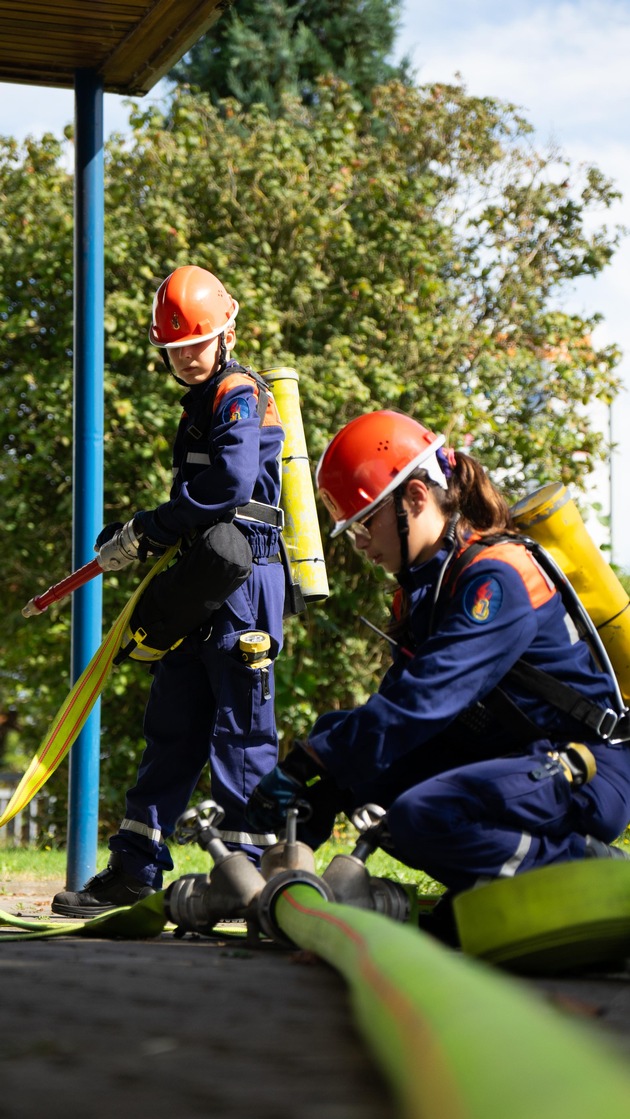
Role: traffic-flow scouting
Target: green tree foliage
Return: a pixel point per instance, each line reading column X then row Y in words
column 261, row 50
column 411, row 257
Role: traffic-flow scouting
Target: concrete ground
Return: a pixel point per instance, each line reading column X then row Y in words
column 202, row 1027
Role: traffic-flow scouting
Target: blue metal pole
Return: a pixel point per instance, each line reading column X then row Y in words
column 88, row 457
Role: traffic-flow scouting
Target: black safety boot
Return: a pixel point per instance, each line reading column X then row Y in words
column 440, row 921
column 107, row 890
column 597, row 849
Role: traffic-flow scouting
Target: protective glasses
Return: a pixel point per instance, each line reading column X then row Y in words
column 359, row 531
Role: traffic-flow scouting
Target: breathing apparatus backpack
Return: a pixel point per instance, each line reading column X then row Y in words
column 184, row 596
column 301, row 537
column 553, row 520
column 606, row 723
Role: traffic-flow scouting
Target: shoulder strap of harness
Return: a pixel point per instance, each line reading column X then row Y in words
column 605, row 723
column 255, row 511
column 199, row 430
column 264, row 394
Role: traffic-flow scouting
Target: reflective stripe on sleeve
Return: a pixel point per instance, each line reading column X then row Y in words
column 197, row 458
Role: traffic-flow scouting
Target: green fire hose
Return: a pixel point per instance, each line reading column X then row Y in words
column 455, row 1039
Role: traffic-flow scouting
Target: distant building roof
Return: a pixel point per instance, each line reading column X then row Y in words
column 130, row 43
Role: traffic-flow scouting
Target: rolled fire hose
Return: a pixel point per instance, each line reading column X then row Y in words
column 77, row 706
column 556, row 918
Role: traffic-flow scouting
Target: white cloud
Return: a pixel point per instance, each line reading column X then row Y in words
column 28, row 110
column 564, row 63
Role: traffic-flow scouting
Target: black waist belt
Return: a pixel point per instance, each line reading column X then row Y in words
column 264, row 514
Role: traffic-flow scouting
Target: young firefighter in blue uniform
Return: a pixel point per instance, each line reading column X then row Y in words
column 205, row 704
column 464, row 744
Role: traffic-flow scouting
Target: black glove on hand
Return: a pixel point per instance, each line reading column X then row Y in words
column 119, row 547
column 278, row 791
column 155, row 538
column 106, row 534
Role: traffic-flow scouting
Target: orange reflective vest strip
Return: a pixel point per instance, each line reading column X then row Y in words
column 539, row 587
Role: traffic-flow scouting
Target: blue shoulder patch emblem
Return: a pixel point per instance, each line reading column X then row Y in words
column 482, row 599
column 237, row 409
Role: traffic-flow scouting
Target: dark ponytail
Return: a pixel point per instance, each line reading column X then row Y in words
column 481, row 506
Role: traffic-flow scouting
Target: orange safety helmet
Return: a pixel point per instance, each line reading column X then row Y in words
column 191, row 305
column 369, row 458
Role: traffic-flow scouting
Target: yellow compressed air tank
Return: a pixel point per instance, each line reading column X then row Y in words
column 301, row 526
column 551, row 518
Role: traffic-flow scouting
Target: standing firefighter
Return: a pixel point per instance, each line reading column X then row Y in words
column 205, row 704
column 491, row 739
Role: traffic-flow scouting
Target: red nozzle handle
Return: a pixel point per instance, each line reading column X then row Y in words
column 61, row 590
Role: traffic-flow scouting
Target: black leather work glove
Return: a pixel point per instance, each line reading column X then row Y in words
column 106, row 534
column 155, row 539
column 279, row 790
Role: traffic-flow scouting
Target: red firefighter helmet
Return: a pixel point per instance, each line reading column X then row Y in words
column 369, row 458
column 191, row 305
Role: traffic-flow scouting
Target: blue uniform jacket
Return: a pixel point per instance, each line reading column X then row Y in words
column 236, row 460
column 501, row 608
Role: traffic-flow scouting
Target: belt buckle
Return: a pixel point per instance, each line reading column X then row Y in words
column 607, row 723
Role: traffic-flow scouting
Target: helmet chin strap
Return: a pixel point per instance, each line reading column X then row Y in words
column 167, row 361
column 223, row 354
column 402, row 524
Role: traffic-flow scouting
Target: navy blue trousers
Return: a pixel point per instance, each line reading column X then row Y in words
column 472, row 821
column 499, row 817
column 206, row 707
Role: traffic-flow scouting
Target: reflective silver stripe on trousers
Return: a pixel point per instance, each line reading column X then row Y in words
column 154, row 834
column 247, row 837
column 509, row 869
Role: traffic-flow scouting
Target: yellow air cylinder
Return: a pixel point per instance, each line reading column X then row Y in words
column 551, row 518
column 301, row 526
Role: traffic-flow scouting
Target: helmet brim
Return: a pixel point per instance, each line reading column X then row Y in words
column 420, row 460
column 195, row 338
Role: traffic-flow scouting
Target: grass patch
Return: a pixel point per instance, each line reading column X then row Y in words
column 30, row 864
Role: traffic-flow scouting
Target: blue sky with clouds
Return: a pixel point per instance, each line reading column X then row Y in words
column 565, row 63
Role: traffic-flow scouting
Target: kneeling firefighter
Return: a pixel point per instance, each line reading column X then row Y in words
column 496, row 740
column 211, row 625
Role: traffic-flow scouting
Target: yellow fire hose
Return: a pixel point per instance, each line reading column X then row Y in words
column 131, row 922
column 77, row 706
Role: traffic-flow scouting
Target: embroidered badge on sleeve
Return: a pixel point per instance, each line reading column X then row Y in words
column 237, row 409
column 482, row 599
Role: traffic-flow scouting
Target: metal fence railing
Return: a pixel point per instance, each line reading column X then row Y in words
column 24, row 828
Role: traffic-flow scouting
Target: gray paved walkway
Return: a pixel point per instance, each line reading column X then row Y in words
column 203, row 1029
column 194, row 1028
